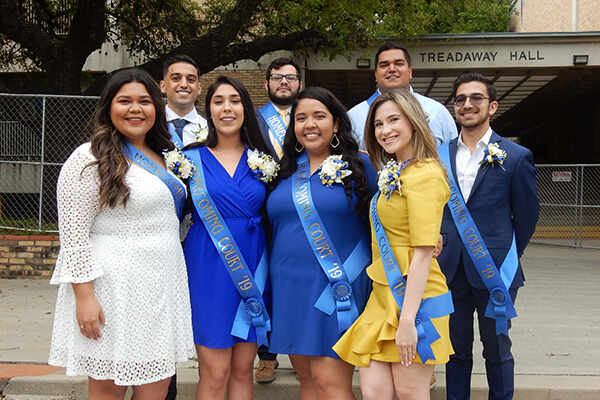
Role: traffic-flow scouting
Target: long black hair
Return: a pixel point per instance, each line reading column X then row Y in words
column 355, row 183
column 250, row 133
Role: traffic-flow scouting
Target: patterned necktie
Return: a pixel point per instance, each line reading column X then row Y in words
column 179, row 123
column 283, row 114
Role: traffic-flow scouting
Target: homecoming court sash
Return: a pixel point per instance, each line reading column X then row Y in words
column 177, row 188
column 276, row 124
column 432, row 307
column 337, row 296
column 251, row 310
column 500, row 305
column 371, row 99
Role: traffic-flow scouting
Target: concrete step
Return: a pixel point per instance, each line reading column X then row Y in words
column 286, row 387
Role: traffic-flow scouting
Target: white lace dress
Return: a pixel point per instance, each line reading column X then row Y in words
column 135, row 259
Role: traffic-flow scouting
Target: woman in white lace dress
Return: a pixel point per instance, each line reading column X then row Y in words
column 123, row 312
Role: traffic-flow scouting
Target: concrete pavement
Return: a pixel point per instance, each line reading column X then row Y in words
column 556, row 337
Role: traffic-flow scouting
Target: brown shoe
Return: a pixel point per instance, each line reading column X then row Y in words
column 265, row 371
column 432, row 382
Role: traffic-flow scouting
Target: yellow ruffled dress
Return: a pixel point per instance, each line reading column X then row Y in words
column 410, row 219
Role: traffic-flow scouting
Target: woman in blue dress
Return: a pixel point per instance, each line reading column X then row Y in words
column 319, row 249
column 224, row 334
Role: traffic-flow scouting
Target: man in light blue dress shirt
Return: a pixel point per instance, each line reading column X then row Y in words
column 393, row 71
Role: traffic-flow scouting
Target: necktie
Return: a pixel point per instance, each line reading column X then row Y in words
column 283, row 114
column 179, row 123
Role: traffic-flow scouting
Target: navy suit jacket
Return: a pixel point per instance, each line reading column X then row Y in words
column 500, row 201
column 264, row 130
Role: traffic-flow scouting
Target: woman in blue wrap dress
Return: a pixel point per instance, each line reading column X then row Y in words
column 225, row 360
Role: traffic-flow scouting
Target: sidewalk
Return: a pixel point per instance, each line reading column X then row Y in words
column 556, row 337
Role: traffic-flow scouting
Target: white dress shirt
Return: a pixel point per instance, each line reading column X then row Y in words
column 194, row 122
column 467, row 164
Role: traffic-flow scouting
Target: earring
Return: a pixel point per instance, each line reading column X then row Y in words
column 299, row 150
column 335, row 139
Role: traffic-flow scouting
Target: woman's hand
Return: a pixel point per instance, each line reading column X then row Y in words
column 88, row 311
column 406, row 341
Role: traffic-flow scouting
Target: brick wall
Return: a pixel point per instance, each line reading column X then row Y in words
column 253, row 80
column 28, row 256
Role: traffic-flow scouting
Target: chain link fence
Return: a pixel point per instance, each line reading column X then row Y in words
column 570, row 205
column 37, row 134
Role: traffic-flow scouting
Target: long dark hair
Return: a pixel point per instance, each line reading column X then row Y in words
column 348, row 148
column 250, row 133
column 107, row 142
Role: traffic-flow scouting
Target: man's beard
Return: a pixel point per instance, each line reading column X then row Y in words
column 282, row 101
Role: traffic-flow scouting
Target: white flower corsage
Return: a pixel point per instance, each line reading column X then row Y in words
column 264, row 166
column 333, row 170
column 201, row 134
column 389, row 177
column 179, row 163
column 493, row 154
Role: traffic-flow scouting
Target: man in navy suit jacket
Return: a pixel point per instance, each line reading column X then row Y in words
column 501, row 196
column 283, row 83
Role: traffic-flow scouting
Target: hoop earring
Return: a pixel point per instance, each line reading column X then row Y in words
column 299, row 150
column 337, row 140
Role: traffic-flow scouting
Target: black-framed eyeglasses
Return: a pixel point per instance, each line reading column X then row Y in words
column 476, row 99
column 279, row 77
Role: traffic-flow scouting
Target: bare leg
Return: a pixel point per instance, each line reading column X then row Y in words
column 301, row 365
column 241, row 384
column 332, row 378
column 105, row 390
column 151, row 391
column 412, row 382
column 376, row 381
column 215, row 369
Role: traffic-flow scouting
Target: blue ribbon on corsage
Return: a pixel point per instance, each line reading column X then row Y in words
column 176, row 187
column 431, row 307
column 337, row 295
column 251, row 310
column 500, row 305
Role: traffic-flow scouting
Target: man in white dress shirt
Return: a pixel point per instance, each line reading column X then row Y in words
column 182, row 86
column 393, row 71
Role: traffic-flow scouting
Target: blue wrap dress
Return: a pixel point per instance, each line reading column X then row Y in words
column 213, row 295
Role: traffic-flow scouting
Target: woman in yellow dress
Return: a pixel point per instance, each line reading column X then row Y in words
column 397, row 350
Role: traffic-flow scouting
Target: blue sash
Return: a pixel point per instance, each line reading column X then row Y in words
column 432, row 307
column 337, row 295
column 174, row 136
column 274, row 121
column 177, row 188
column 371, row 99
column 251, row 310
column 500, row 306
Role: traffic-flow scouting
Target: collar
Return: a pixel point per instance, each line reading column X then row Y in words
column 289, row 109
column 484, row 141
column 192, row 116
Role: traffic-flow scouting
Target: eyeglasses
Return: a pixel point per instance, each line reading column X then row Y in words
column 476, row 99
column 279, row 77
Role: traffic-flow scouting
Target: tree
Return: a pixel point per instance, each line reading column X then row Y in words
column 57, row 36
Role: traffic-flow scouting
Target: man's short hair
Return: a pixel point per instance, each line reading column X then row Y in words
column 475, row 77
column 392, row 46
column 282, row 62
column 178, row 58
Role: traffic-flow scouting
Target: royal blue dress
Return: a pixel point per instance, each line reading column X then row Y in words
column 213, row 295
column 297, row 279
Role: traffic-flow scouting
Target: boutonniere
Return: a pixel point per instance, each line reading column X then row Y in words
column 389, row 177
column 493, row 154
column 179, row 163
column 201, row 134
column 333, row 170
column 264, row 166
